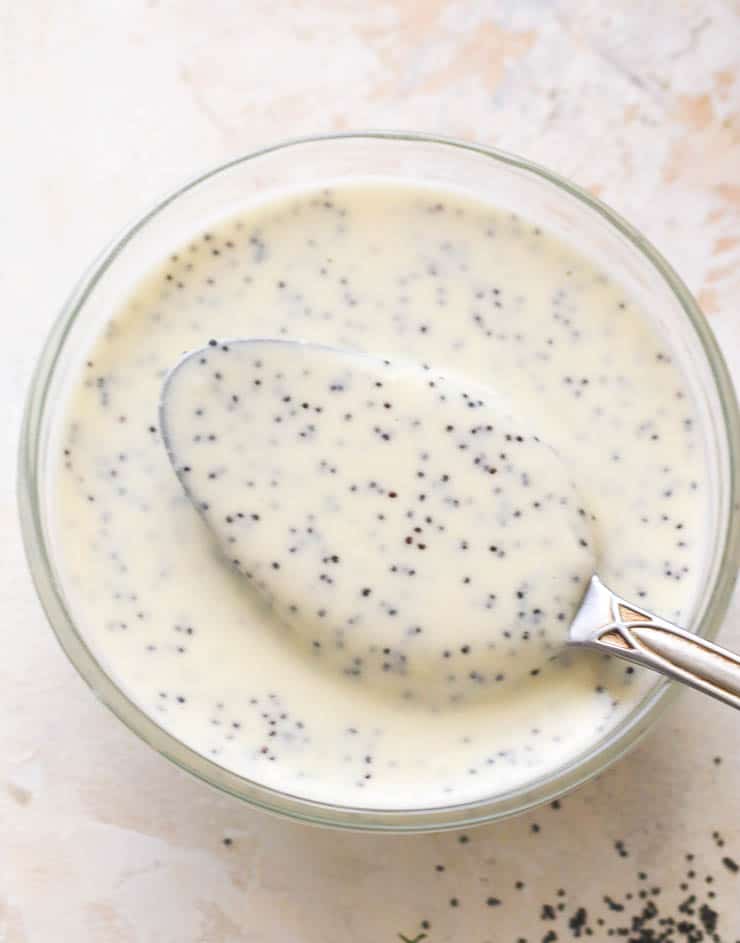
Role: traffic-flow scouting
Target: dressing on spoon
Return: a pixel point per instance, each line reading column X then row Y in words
column 408, row 532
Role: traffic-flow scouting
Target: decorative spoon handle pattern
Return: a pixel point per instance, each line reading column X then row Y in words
column 613, row 625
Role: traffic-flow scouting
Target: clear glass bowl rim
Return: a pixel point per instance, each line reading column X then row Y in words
column 539, row 791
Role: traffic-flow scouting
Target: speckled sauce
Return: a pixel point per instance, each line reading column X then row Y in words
column 424, row 277
column 407, row 531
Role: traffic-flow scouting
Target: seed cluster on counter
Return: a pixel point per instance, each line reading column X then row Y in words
column 637, row 906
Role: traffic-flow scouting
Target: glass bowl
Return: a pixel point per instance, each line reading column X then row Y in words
column 513, row 184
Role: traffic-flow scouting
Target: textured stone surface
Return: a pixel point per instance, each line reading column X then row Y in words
column 108, row 104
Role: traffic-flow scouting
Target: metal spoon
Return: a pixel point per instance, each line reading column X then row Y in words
column 604, row 621
column 608, row 623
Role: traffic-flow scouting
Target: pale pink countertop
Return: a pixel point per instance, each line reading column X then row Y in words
column 109, row 104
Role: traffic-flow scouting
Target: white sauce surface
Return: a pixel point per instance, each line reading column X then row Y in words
column 412, row 275
column 407, row 531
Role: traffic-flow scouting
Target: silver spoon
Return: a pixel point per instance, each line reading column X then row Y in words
column 608, row 623
column 603, row 622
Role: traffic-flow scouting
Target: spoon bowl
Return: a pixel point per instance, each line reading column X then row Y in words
column 408, row 531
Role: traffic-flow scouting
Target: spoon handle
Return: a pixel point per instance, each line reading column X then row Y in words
column 614, row 626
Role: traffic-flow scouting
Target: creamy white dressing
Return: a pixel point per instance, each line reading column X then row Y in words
column 408, row 531
column 421, row 277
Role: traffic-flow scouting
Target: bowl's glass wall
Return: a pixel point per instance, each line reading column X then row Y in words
column 505, row 181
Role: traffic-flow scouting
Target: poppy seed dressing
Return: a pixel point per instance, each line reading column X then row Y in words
column 488, row 302
column 406, row 530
